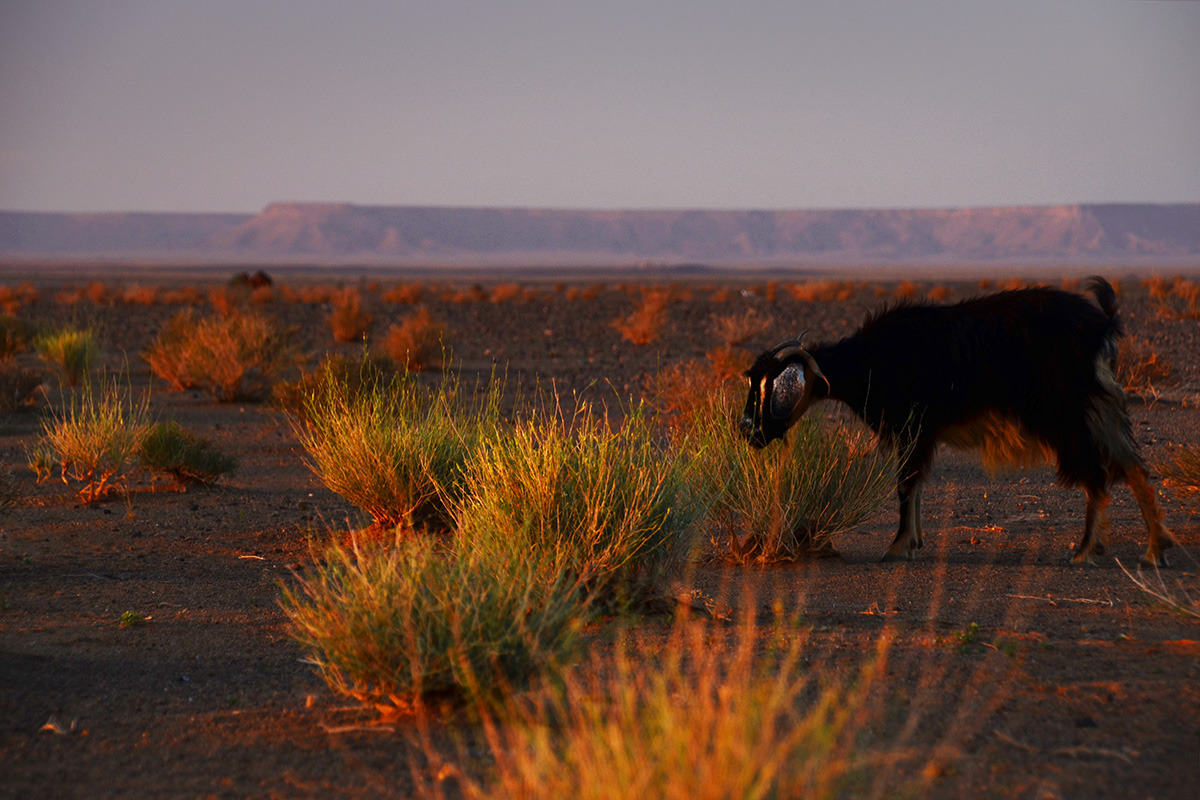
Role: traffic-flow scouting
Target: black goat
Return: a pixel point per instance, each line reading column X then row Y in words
column 1023, row 375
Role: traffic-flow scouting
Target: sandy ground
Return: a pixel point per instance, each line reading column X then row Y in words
column 1077, row 684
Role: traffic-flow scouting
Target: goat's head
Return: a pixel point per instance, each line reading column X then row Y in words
column 781, row 389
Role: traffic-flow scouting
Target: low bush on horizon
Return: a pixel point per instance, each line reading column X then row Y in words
column 404, row 293
column 232, row 358
column 94, row 441
column 393, row 625
column 348, row 320
column 186, row 457
column 71, row 350
column 821, row 291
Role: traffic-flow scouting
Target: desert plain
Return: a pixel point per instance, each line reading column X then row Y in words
column 1008, row 673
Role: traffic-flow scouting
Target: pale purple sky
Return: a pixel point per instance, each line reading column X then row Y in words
column 226, row 105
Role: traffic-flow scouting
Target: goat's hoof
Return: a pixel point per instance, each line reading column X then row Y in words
column 889, row 556
column 1098, row 549
column 1079, row 559
column 1156, row 559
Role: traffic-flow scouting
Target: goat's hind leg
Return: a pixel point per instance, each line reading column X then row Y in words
column 1160, row 537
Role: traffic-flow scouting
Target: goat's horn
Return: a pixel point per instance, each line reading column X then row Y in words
column 794, row 348
column 790, row 347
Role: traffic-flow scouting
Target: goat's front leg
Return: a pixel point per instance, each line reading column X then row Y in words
column 908, row 537
column 1094, row 520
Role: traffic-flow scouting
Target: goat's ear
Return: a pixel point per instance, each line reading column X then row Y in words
column 787, row 391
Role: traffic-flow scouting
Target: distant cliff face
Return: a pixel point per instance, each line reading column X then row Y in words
column 404, row 233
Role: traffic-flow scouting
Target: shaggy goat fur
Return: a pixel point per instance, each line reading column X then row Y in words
column 1021, row 375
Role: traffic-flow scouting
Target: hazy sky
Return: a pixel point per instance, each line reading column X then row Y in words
column 218, row 105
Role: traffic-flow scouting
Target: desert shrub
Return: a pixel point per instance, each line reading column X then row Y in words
column 345, row 376
column 13, row 297
column 1177, row 298
column 734, row 329
column 396, row 451
column 228, row 300
column 642, row 325
column 1140, row 369
column 414, row 343
column 183, row 296
column 17, row 385
column 790, row 499
column 612, row 507
column 504, row 292
column 906, row 290
column 705, row 715
column 71, row 350
column 821, row 291
column 140, row 295
column 94, row 441
column 98, row 293
column 465, row 294
column 682, row 393
column 10, row 492
column 232, row 358
column 392, row 624
column 1181, row 470
column 939, row 293
column 263, row 295
column 408, row 293
column 14, row 335
column 186, row 456
column 348, row 319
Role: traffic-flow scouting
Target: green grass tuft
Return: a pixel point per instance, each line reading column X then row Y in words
column 182, row 454
column 392, row 625
column 613, row 506
column 72, row 351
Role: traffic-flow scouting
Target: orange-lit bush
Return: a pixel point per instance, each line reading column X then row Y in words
column 415, row 342
column 408, row 293
column 642, row 326
column 735, row 329
column 504, row 292
column 233, row 358
column 348, row 319
column 821, row 291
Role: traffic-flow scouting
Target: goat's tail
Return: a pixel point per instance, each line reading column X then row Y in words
column 1105, row 296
